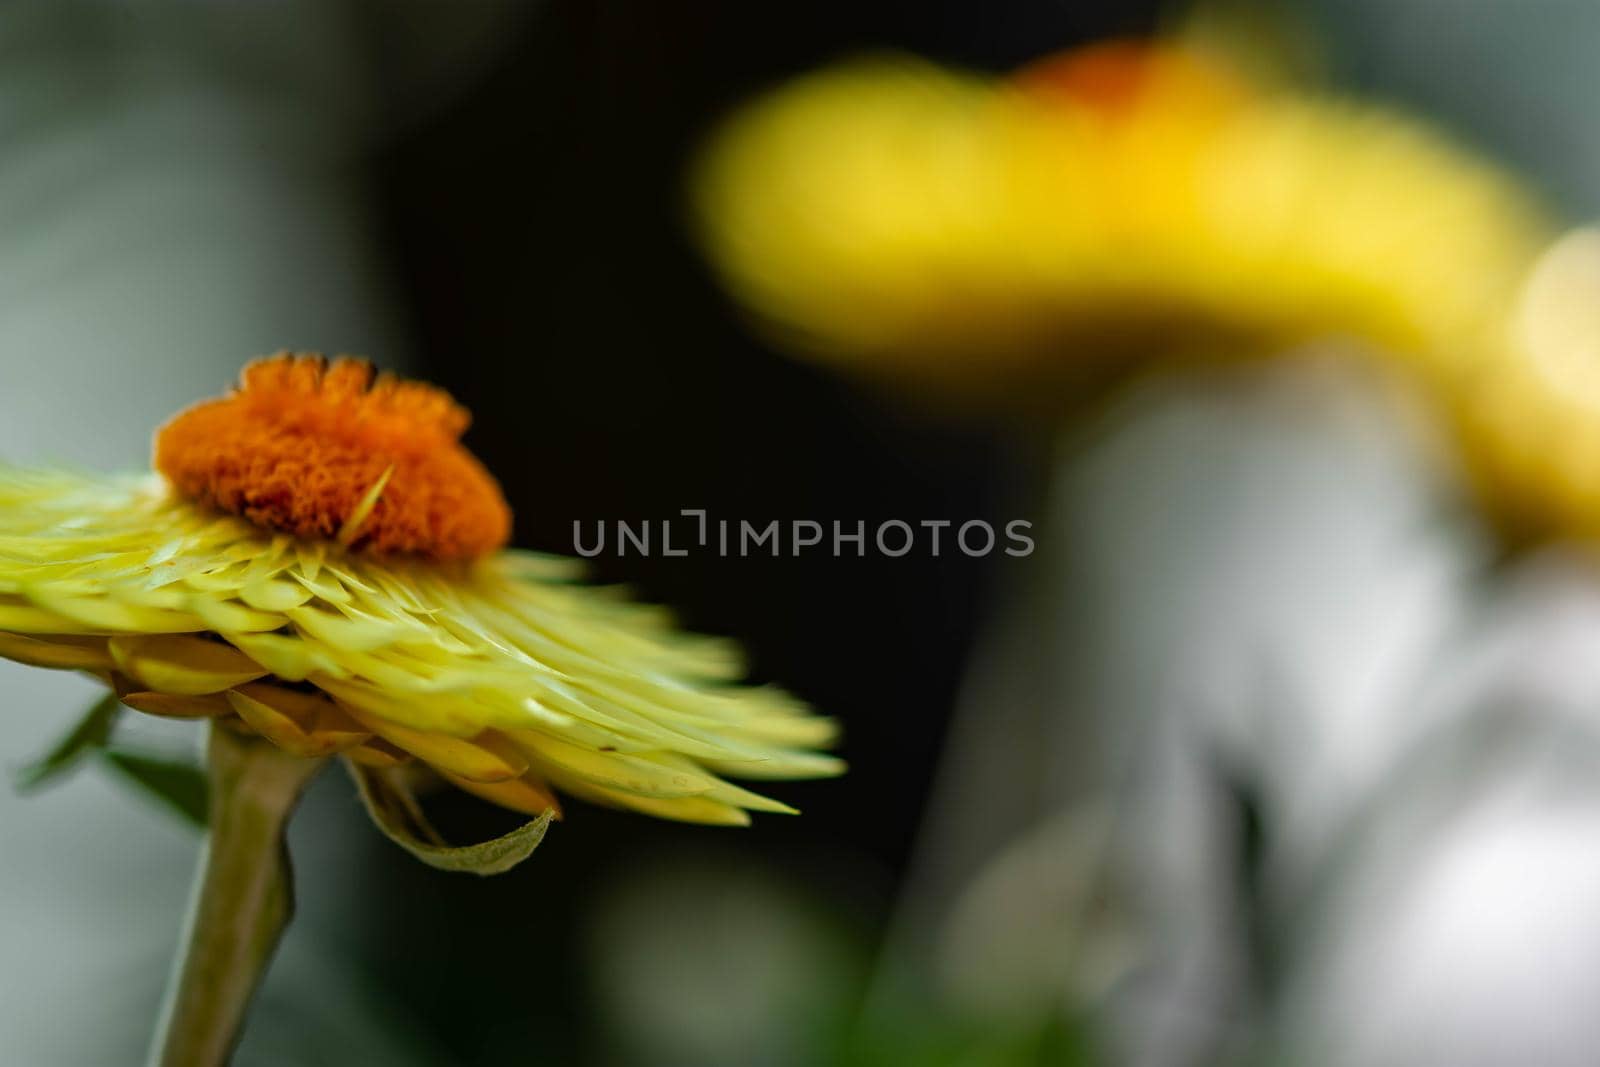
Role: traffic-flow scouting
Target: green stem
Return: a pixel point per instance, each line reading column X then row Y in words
column 242, row 900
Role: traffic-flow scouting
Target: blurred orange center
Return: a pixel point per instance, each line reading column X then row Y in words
column 337, row 451
column 1118, row 78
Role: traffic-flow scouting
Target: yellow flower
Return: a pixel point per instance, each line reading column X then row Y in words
column 1530, row 416
column 1126, row 199
column 318, row 563
column 1017, row 239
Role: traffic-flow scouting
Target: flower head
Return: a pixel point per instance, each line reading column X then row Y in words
column 1125, row 200
column 315, row 563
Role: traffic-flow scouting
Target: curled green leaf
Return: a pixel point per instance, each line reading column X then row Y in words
column 177, row 784
column 395, row 811
column 91, row 732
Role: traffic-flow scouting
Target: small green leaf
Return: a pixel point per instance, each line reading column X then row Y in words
column 91, row 732
column 396, row 812
column 180, row 785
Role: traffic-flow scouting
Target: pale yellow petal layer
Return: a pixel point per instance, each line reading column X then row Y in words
column 407, row 659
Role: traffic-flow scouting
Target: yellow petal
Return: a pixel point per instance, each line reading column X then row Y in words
column 683, row 809
column 377, row 753
column 304, row 724
column 728, row 793
column 225, row 616
column 173, row 706
column 614, row 770
column 354, row 631
column 18, row 615
column 719, row 790
column 62, row 653
column 782, row 763
column 187, row 666
column 430, row 713
column 95, row 613
column 689, row 809
column 485, row 758
column 289, row 658
column 274, row 595
column 519, row 794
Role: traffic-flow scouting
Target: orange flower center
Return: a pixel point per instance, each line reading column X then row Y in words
column 1118, row 78
column 337, row 451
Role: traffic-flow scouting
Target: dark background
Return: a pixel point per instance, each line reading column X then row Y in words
column 535, row 226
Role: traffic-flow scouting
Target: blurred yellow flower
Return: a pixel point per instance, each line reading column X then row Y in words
column 1530, row 416
column 1125, row 199
column 1014, row 239
column 315, row 563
